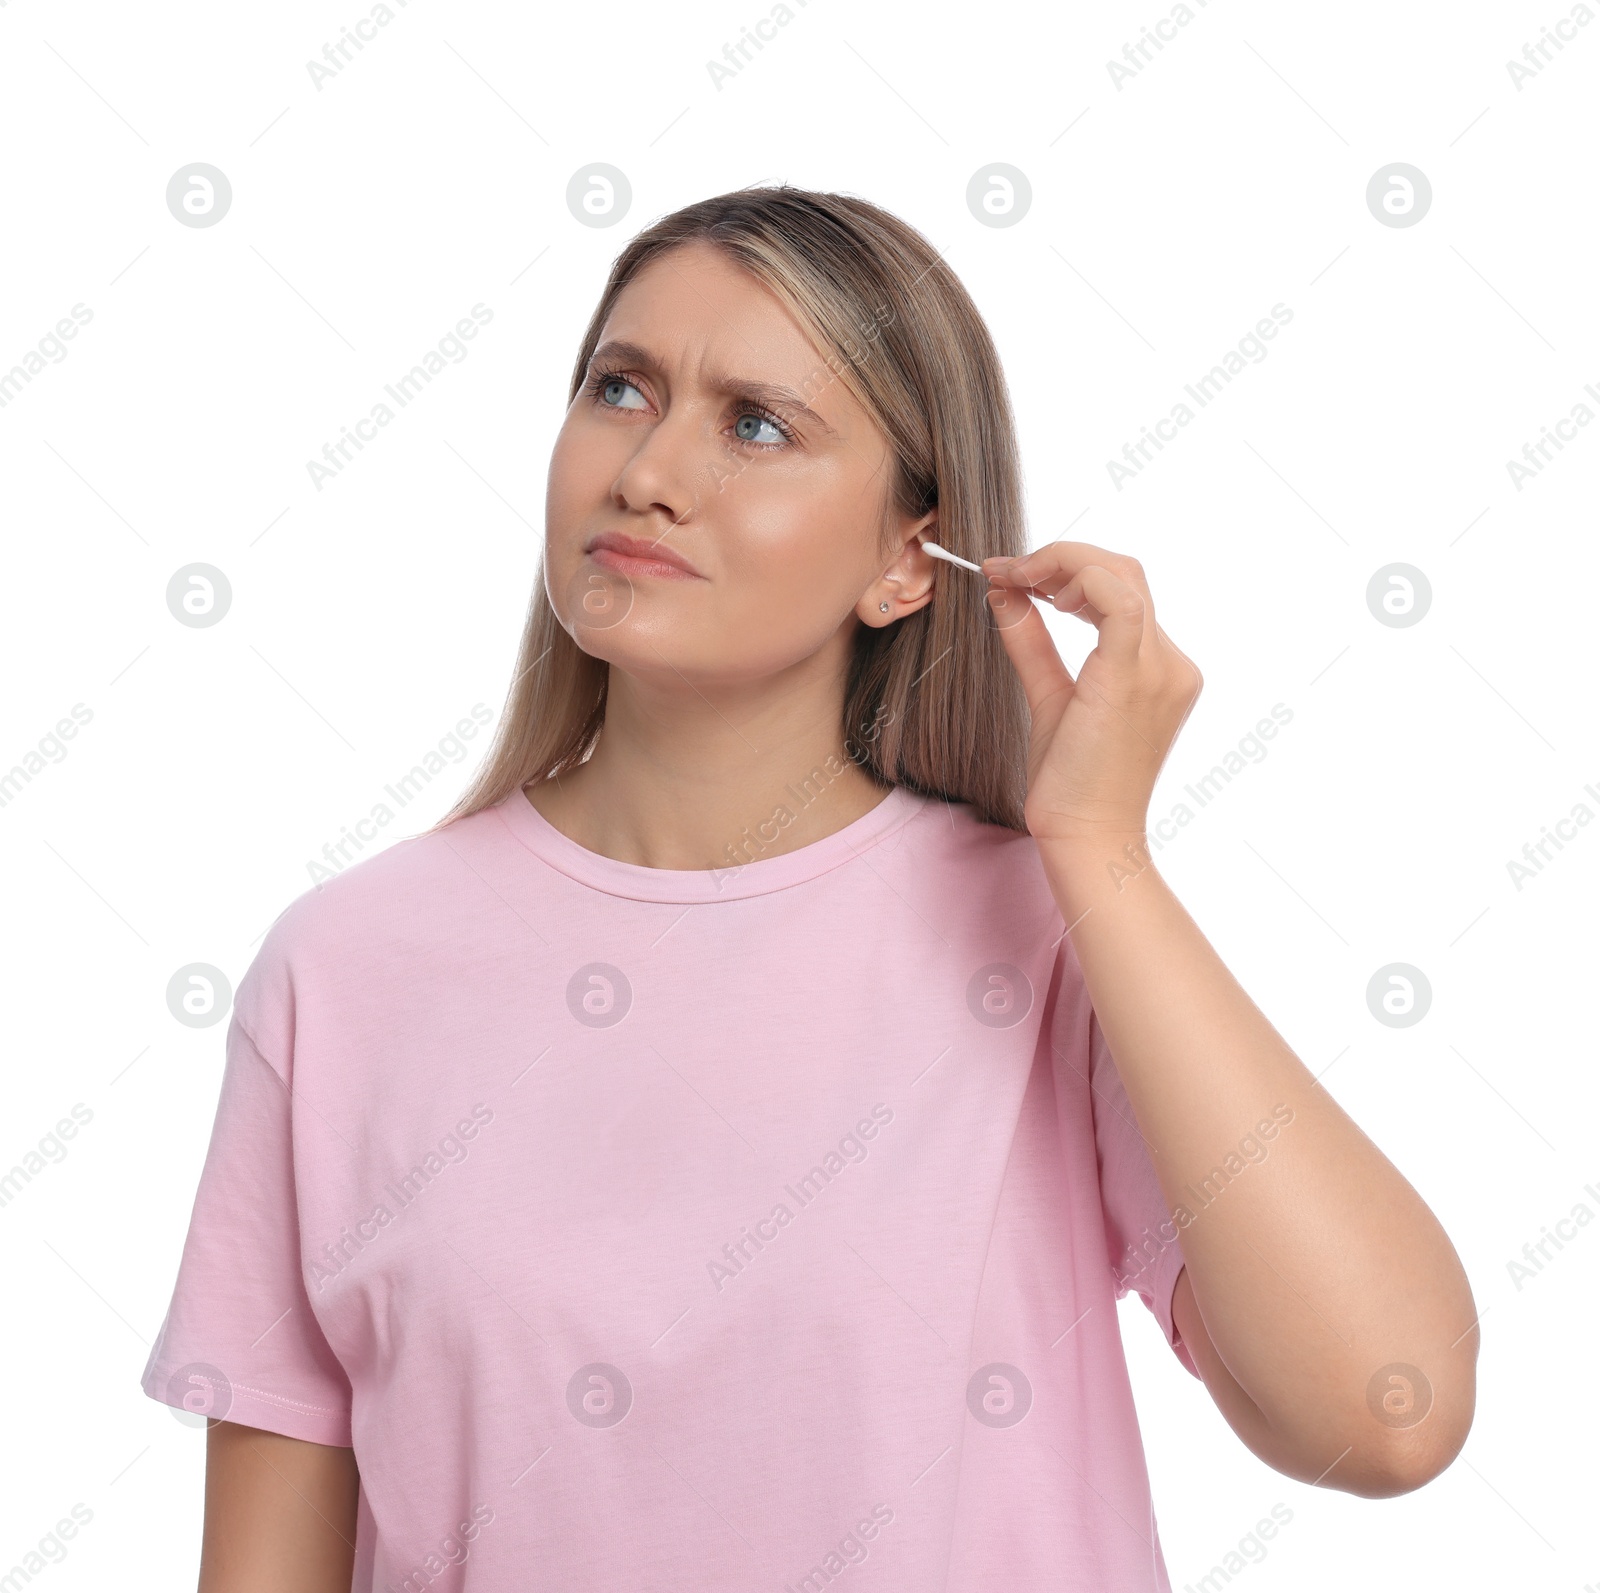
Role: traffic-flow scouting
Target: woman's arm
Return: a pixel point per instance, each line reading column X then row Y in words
column 280, row 1514
column 1331, row 1318
column 1324, row 1305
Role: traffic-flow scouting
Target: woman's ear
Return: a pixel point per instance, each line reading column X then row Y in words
column 905, row 586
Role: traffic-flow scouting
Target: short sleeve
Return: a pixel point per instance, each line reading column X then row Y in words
column 1141, row 1236
column 240, row 1342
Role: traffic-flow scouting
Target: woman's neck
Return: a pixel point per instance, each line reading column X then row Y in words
column 684, row 815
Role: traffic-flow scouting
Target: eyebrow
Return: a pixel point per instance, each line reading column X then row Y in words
column 783, row 399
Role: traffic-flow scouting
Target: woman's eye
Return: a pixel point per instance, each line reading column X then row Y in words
column 749, row 426
column 615, row 388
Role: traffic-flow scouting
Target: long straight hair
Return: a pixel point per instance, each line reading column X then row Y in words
column 931, row 702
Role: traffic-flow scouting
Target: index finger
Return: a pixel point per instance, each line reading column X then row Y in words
column 1051, row 567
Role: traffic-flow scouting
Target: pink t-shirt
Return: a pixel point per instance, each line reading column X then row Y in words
column 677, row 1229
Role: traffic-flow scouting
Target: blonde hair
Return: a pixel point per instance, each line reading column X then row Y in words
column 931, row 702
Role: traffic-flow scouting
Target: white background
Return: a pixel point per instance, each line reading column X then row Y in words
column 1168, row 216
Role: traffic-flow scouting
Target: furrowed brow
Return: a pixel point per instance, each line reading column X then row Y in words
column 618, row 351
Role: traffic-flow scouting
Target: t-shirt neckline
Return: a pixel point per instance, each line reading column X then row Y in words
column 733, row 883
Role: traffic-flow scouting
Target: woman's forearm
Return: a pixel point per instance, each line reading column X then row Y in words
column 1325, row 1283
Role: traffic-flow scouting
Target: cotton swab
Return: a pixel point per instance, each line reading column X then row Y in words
column 977, row 569
column 941, row 553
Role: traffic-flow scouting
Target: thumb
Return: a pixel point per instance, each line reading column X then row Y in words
column 1027, row 642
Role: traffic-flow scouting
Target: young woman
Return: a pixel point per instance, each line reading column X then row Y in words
column 710, row 1157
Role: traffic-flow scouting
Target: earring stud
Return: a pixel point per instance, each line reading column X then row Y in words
column 884, row 607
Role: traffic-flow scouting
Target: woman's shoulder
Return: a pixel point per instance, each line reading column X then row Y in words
column 366, row 914
column 975, row 857
column 406, row 872
column 965, row 835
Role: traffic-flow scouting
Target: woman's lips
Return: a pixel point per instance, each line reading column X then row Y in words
column 626, row 564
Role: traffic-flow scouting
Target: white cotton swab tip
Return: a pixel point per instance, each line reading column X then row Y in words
column 941, row 553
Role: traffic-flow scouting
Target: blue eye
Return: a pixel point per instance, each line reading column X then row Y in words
column 755, row 422
column 615, row 385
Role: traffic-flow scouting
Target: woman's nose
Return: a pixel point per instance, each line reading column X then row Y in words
column 673, row 463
